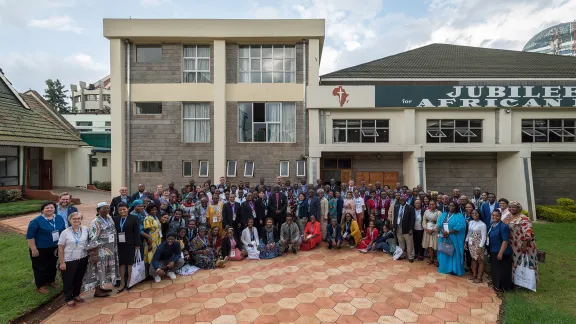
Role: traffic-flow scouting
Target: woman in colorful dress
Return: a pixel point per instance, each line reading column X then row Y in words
column 312, row 235
column 232, row 248
column 153, row 228
column 350, row 230
column 202, row 251
column 371, row 236
column 269, row 241
column 452, row 225
column 103, row 266
column 430, row 238
column 475, row 240
column 521, row 239
column 214, row 214
column 332, row 205
column 215, row 240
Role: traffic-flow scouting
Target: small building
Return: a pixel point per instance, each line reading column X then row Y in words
column 100, row 162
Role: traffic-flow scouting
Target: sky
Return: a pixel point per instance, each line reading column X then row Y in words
column 62, row 39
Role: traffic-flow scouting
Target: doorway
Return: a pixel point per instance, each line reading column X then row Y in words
column 385, row 178
column 339, row 169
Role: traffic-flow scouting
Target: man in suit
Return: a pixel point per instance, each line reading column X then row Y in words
column 140, row 193
column 314, row 207
column 248, row 210
column 334, row 234
column 333, row 186
column 339, row 204
column 64, row 208
column 262, row 210
column 118, row 199
column 277, row 205
column 487, row 208
column 403, row 224
column 231, row 213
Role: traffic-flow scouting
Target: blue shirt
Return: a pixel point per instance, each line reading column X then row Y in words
column 497, row 235
column 166, row 253
column 63, row 214
column 40, row 230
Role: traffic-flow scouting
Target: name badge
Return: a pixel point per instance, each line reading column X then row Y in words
column 382, row 211
column 160, row 231
column 111, row 238
column 76, row 254
column 214, row 219
column 344, row 236
column 430, row 226
column 182, row 255
column 232, row 253
column 234, row 216
column 254, row 214
column 55, row 236
column 266, row 212
column 121, row 237
column 446, row 227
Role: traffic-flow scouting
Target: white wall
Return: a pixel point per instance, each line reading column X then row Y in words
column 58, row 157
column 78, row 166
column 100, row 172
column 98, row 121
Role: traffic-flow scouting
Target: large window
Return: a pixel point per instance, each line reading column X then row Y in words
column 148, row 166
column 186, row 168
column 149, row 53
column 9, row 171
column 148, row 108
column 301, row 168
column 284, row 169
column 267, row 64
column 548, row 130
column 267, row 122
column 249, row 168
column 361, row 131
column 197, row 64
column 454, row 131
column 196, row 123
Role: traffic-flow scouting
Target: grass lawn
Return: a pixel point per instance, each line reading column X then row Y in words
column 17, row 290
column 20, row 207
column 554, row 301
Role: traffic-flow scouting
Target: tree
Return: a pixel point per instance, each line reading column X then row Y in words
column 56, row 96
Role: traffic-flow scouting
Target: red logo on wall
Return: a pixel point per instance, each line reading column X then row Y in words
column 341, row 94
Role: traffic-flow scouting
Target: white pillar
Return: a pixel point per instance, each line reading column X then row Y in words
column 514, row 181
column 118, row 113
column 219, row 109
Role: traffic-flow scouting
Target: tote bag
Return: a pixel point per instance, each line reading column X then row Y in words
column 524, row 276
column 446, row 247
column 398, row 253
column 138, row 270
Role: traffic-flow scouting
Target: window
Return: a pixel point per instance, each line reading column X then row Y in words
column 107, row 123
column 196, row 123
column 94, row 162
column 92, row 97
column 149, row 53
column 197, row 64
column 300, row 168
column 148, row 108
column 148, row 166
column 284, row 169
column 337, row 163
column 361, row 131
column 231, row 169
column 186, row 168
column 249, row 169
column 454, row 131
column 84, row 130
column 104, row 162
column 203, row 170
column 548, row 130
column 267, row 64
column 83, row 123
column 9, row 166
column 267, row 122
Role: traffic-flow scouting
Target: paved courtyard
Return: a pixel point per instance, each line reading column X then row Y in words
column 320, row 286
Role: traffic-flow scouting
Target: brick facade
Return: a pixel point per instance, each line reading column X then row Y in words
column 553, row 177
column 169, row 70
column 231, row 63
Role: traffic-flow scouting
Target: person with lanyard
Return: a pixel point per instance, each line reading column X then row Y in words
column 128, row 229
column 200, row 212
column 369, row 239
column 350, row 230
column 360, row 208
column 248, row 211
column 73, row 258
column 498, row 241
column 269, row 240
column 262, row 209
column 192, row 230
column 231, row 247
column 167, row 259
column 64, row 207
column 487, row 208
column 123, row 197
column 202, row 252
column 42, row 237
column 290, row 235
column 452, row 226
column 333, row 234
column 214, row 213
column 250, row 240
column 403, row 224
column 102, row 247
column 153, row 228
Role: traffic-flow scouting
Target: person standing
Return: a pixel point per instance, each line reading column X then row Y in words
column 487, row 208
column 277, row 205
column 521, row 239
column 73, row 258
column 64, row 207
column 231, row 214
column 430, row 238
column 500, row 253
column 452, row 225
column 214, row 214
column 313, row 207
column 128, row 229
column 403, row 224
column 360, row 208
column 323, row 212
column 42, row 237
column 123, row 198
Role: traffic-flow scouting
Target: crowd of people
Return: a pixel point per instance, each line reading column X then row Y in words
column 206, row 226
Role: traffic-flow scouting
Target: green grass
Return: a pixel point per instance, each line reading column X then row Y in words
column 20, row 207
column 553, row 303
column 17, row 290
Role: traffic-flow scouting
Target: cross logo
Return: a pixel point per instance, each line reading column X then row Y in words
column 341, row 94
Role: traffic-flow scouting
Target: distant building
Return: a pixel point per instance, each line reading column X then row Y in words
column 557, row 40
column 91, row 98
column 90, row 122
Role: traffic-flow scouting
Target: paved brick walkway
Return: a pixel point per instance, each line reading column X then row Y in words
column 321, row 286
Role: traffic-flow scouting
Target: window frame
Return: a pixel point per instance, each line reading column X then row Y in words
column 94, row 162
column 196, row 71
column 108, row 124
column 251, row 175
column 200, row 169
column 138, row 110
column 104, row 162
column 301, row 174
column 139, row 166
column 362, row 131
column 84, row 123
column 267, row 123
column 184, row 168
column 261, row 59
column 148, row 46
column 184, row 119
column 543, row 132
column 287, row 169
column 228, row 173
column 447, row 131
column 12, row 157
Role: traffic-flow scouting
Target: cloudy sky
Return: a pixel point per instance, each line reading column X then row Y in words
column 63, row 39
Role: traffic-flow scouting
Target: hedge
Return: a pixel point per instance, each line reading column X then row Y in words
column 10, row 195
column 105, row 185
column 557, row 214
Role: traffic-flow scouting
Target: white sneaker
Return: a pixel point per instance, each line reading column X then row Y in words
column 171, row 275
column 157, row 279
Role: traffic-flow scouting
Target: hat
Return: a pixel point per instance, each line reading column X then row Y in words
column 102, row 204
column 136, row 203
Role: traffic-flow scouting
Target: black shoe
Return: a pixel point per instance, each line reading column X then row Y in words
column 411, row 260
column 329, row 247
column 294, row 250
column 286, row 250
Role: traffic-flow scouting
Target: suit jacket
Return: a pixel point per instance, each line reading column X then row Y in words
column 313, row 208
column 69, row 210
column 303, row 209
column 131, row 230
column 330, row 232
column 246, row 213
column 136, row 196
column 339, row 208
column 290, row 233
column 262, row 212
column 408, row 219
column 228, row 214
column 280, row 206
column 264, row 237
column 335, row 188
column 485, row 214
column 114, row 204
column 227, row 246
column 323, row 208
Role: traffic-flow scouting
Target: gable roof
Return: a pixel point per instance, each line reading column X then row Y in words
column 444, row 61
column 37, row 102
column 21, row 125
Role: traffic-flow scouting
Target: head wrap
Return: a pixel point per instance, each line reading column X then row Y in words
column 202, row 228
column 100, row 205
column 136, row 203
column 515, row 204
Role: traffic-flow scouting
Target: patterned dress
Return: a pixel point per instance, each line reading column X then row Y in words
column 520, row 231
column 153, row 228
column 203, row 261
column 102, row 236
column 271, row 252
column 214, row 215
column 332, row 208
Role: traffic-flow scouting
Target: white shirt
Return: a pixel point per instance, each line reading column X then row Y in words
column 418, row 222
column 359, row 204
column 476, row 227
column 73, row 251
column 240, row 200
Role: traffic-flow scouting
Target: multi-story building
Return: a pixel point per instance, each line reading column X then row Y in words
column 91, row 98
column 558, row 40
column 90, row 122
column 209, row 98
column 447, row 117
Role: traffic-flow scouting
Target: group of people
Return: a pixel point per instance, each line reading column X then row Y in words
column 207, row 226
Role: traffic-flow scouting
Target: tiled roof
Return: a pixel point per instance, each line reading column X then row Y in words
column 35, row 101
column 443, row 61
column 19, row 124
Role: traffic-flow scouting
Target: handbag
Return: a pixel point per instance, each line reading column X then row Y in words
column 446, row 247
column 524, row 276
column 398, row 253
column 138, row 270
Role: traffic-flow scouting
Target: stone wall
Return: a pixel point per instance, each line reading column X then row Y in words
column 553, row 177
column 169, row 70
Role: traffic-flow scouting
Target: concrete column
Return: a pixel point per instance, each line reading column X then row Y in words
column 411, row 168
column 313, row 62
column 118, row 113
column 505, row 126
column 409, row 129
column 313, row 169
column 515, row 179
column 219, row 109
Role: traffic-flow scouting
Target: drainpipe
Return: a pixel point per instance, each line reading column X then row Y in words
column 304, row 103
column 90, row 164
column 24, row 171
column 128, row 118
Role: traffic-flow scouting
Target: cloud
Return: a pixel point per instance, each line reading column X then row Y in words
column 153, row 3
column 58, row 23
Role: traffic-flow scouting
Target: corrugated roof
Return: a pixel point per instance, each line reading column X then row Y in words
column 444, row 61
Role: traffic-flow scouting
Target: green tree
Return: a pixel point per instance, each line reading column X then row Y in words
column 56, row 96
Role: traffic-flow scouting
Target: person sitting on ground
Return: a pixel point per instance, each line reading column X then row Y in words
column 333, row 234
column 232, row 248
column 269, row 241
column 167, row 259
column 312, row 235
column 184, row 243
column 385, row 242
column 250, row 240
column 202, row 251
column 350, row 230
column 371, row 236
column 290, row 235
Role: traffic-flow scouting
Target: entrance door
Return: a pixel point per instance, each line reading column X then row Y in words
column 345, row 176
column 385, row 178
column 46, row 183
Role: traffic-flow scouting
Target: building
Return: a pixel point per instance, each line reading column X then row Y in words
column 446, row 117
column 90, row 122
column 38, row 148
column 559, row 40
column 210, row 98
column 91, row 98
column 100, row 161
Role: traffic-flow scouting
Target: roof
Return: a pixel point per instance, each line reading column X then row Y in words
column 444, row 61
column 37, row 102
column 22, row 125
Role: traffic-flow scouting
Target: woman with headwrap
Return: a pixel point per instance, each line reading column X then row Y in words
column 153, row 228
column 269, row 241
column 202, row 251
column 521, row 239
column 452, row 226
column 103, row 251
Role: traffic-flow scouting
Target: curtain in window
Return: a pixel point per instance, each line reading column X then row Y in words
column 273, row 119
column 245, row 122
column 288, row 131
column 196, row 122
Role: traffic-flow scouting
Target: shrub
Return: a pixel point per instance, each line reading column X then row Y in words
column 105, row 185
column 3, row 196
column 525, row 212
column 565, row 202
column 10, row 195
column 555, row 214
